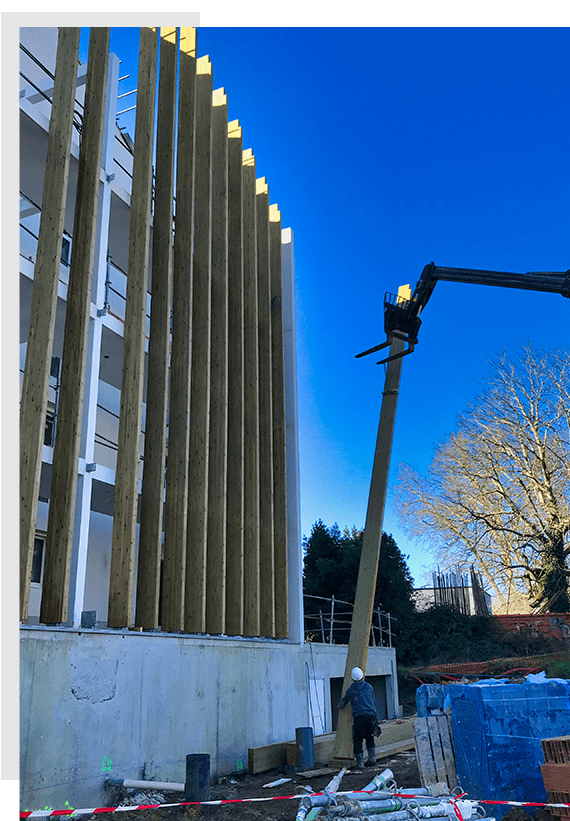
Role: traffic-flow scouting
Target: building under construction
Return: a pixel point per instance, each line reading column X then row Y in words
column 161, row 570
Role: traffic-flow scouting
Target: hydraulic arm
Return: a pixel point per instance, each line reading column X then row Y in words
column 402, row 316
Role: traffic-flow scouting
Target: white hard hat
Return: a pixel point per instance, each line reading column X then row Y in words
column 357, row 674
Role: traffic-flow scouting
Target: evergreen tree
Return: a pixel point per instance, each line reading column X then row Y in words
column 331, row 566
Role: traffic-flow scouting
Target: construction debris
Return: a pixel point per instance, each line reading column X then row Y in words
column 382, row 796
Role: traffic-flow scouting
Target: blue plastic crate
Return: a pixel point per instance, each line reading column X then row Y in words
column 497, row 727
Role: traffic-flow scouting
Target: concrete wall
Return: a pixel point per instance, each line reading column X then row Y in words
column 98, row 703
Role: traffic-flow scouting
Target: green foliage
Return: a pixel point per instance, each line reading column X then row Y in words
column 331, row 567
column 441, row 635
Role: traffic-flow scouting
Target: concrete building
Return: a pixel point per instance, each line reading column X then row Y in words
column 161, row 600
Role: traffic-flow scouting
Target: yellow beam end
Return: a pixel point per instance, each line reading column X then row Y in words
column 219, row 97
column 168, row 34
column 188, row 40
column 234, row 129
column 203, row 65
column 248, row 158
column 261, row 186
column 274, row 213
column 404, row 293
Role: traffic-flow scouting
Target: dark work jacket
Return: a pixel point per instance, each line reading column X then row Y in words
column 361, row 695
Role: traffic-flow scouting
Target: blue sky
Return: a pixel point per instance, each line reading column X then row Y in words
column 387, row 148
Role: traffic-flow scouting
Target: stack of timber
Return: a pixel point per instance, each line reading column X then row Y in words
column 397, row 736
column 434, row 750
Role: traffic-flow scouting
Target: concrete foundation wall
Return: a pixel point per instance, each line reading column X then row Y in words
column 98, row 703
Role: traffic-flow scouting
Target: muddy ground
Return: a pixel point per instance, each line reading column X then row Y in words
column 404, row 766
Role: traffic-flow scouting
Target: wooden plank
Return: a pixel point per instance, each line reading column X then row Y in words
column 195, row 591
column 235, row 493
column 251, row 404
column 279, row 428
column 436, row 747
column 61, row 519
column 266, row 535
column 315, row 773
column 443, row 723
column 44, row 301
column 177, row 476
column 130, row 420
column 152, row 493
column 268, row 757
column 218, row 434
column 424, row 753
column 357, row 653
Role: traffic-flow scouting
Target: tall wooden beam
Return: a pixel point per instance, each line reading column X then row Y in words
column 129, row 444
column 57, row 565
column 218, row 437
column 251, row 624
column 44, row 301
column 266, row 557
column 152, row 494
column 279, row 428
column 174, row 570
column 235, row 494
column 366, row 583
column 195, row 591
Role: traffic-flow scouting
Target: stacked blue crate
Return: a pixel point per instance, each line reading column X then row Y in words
column 497, row 727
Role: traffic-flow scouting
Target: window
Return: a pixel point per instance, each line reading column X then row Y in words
column 38, row 560
column 49, row 429
column 66, row 249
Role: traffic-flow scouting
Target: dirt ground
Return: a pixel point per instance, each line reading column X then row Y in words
column 404, row 766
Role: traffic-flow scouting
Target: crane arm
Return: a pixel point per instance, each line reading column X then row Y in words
column 402, row 316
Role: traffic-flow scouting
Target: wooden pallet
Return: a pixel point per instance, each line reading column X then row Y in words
column 434, row 751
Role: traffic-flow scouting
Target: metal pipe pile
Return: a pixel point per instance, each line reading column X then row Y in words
column 382, row 797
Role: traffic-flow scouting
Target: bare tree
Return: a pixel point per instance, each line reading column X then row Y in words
column 497, row 493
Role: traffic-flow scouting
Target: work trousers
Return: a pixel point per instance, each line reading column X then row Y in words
column 362, row 730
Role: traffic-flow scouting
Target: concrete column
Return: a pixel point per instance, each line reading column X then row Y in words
column 176, row 515
column 235, row 496
column 266, row 557
column 129, row 445
column 278, row 419
column 152, row 495
column 251, row 623
column 61, row 518
column 295, row 559
column 44, row 301
column 89, row 422
column 218, row 437
column 195, row 591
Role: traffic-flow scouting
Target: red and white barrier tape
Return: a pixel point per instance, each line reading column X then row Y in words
column 93, row 810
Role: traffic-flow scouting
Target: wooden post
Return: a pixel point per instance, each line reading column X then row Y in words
column 55, row 587
column 152, row 494
column 195, row 591
column 367, row 572
column 279, row 426
column 44, row 301
column 266, row 557
column 235, row 494
column 217, row 470
column 129, row 445
column 176, row 514
column 251, row 624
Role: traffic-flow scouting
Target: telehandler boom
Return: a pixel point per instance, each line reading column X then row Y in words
column 402, row 316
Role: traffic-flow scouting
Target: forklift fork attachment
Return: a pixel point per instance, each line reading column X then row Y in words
column 373, row 350
column 409, row 349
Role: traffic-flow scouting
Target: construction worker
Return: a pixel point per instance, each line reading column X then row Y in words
column 364, row 716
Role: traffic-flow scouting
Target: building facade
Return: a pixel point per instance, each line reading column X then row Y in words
column 161, row 567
